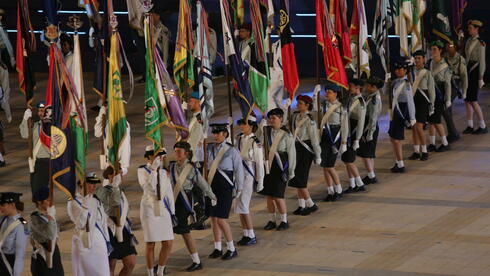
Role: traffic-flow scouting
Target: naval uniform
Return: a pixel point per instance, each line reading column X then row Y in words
column 90, row 249
column 442, row 78
column 156, row 215
column 13, row 242
column 403, row 108
column 424, row 94
column 43, row 232
column 183, row 192
column 282, row 162
column 354, row 118
column 331, row 131
column 252, row 155
column 367, row 144
column 228, row 177
column 475, row 55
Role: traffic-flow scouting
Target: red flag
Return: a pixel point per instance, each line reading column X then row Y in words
column 339, row 10
column 334, row 67
column 290, row 70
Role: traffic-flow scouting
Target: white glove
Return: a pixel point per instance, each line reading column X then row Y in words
column 12, row 61
column 260, row 187
column 291, row 177
column 156, row 164
column 230, row 121
column 318, row 161
column 317, row 90
column 91, row 31
column 412, row 122
column 238, row 194
column 288, row 102
column 343, row 148
column 481, row 83
column 464, row 95
column 116, row 181
column 448, row 104
column 103, row 110
column 124, row 171
column 184, row 106
column 355, row 146
column 27, row 114
column 52, row 211
column 214, row 202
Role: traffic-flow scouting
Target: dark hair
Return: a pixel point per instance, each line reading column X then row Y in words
column 107, row 172
column 185, row 146
column 19, row 205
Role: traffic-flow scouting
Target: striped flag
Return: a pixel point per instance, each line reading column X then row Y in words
column 183, row 59
column 403, row 24
column 383, row 21
column 238, row 12
column 290, row 70
column 419, row 8
column 359, row 35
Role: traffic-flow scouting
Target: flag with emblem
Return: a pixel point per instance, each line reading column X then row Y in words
column 339, row 10
column 441, row 26
column 290, row 70
column 238, row 12
column 403, row 24
column 359, row 36
column 183, row 58
column 25, row 45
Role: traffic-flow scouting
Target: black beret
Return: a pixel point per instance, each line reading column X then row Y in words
column 276, row 111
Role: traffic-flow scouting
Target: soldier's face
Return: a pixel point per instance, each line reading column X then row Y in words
column 435, row 51
column 275, row 121
column 354, row 89
column 245, row 128
column 331, row 96
column 244, row 34
column 451, row 50
column 400, row 72
column 91, row 188
column 219, row 137
column 371, row 88
column 302, row 106
column 7, row 209
column 43, row 205
column 472, row 30
column 40, row 112
column 180, row 154
column 419, row 61
column 193, row 104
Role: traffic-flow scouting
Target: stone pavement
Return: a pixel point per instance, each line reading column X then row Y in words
column 432, row 220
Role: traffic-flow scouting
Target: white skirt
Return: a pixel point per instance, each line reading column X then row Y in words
column 92, row 261
column 155, row 229
column 242, row 203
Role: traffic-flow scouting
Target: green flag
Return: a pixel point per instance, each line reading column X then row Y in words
column 441, row 25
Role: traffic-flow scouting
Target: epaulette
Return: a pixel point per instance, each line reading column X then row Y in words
column 35, row 213
column 256, row 139
column 482, row 42
column 285, row 129
column 295, row 112
column 26, row 227
column 229, row 144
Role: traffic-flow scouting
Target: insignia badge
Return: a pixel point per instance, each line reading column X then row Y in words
column 151, row 115
column 58, row 142
column 284, row 20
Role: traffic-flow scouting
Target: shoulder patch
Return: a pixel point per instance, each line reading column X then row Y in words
column 256, row 140
column 285, row 129
column 26, row 227
column 482, row 42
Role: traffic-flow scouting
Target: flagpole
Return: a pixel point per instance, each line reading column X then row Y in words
column 318, row 101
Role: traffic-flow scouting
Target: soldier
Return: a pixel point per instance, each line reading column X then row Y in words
column 252, row 155
column 90, row 243
column 226, row 180
column 7, row 61
column 245, row 35
column 355, row 118
column 157, row 210
column 39, row 163
column 280, row 163
column 402, row 112
column 330, row 141
column 424, row 98
column 307, row 149
column 14, row 234
column 442, row 77
column 196, row 129
column 121, row 237
column 475, row 55
column 46, row 259
column 459, row 84
column 367, row 145
column 185, row 176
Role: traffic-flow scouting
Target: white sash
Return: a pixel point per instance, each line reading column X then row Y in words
column 327, row 115
column 441, row 68
column 394, row 104
column 417, row 81
column 244, row 151
column 181, row 179
column 4, row 235
column 472, row 46
column 296, row 131
column 352, row 107
column 216, row 161
column 275, row 144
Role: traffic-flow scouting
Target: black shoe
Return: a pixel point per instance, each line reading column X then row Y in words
column 243, row 241
column 313, row 208
column 283, row 226
column 443, row 148
column 251, row 241
column 424, row 156
column 155, row 270
column 452, row 138
column 368, row 180
column 431, row 148
column 95, row 108
column 336, row 196
column 3, row 164
column 216, row 254
column 329, row 198
column 194, row 267
column 349, row 190
column 397, row 169
column 468, row 130
column 298, row 211
column 481, row 131
column 229, row 255
column 360, row 189
column 270, row 225
column 414, row 156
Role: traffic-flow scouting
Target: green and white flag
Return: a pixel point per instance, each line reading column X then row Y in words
column 419, row 8
column 441, row 25
column 403, row 24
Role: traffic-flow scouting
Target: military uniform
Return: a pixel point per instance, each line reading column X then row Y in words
column 196, row 137
column 367, row 145
column 457, row 63
column 442, row 78
column 475, row 55
column 424, row 94
column 331, row 131
column 403, row 108
column 354, row 118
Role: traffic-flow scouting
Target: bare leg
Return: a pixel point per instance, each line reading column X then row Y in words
column 281, row 205
column 328, row 177
column 270, row 205
column 353, row 169
column 150, row 253
column 246, row 220
column 129, row 262
column 477, row 109
column 225, row 228
column 164, row 252
column 419, row 127
column 189, row 243
column 469, row 110
column 334, row 175
column 397, row 148
column 415, row 137
column 432, row 130
column 216, row 229
column 112, row 265
column 440, row 130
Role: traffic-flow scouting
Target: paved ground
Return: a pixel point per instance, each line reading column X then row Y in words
column 433, row 220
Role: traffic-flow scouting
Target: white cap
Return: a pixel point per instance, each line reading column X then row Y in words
column 150, row 148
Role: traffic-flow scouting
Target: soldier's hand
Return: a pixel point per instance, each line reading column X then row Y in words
column 343, row 148
column 27, row 114
column 214, row 202
column 318, row 161
column 12, row 61
column 51, row 211
column 448, row 104
column 355, row 146
column 91, row 31
column 412, row 122
column 317, row 90
column 481, row 83
column 260, row 187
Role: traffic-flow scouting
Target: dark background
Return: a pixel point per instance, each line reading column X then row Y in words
column 305, row 47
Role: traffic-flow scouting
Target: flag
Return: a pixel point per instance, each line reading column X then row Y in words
column 339, row 10
column 441, row 26
column 334, row 66
column 234, row 61
column 25, row 45
column 203, row 65
column 238, row 12
column 403, row 24
column 116, row 114
column 269, row 7
column 183, row 59
column 154, row 113
column 458, row 7
column 291, row 79
column 359, row 35
column 258, row 74
column 135, row 14
column 419, row 8
column 382, row 23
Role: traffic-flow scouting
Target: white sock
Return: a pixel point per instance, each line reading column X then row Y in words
column 284, row 217
column 301, row 202
column 195, row 258
column 330, row 190
column 432, row 139
column 160, row 270
column 444, row 140
column 217, row 245
column 416, row 148
column 150, row 271
column 1, row 158
column 470, row 123
column 352, row 182
column 251, row 233
column 371, row 174
column 338, row 189
column 482, row 124
column 400, row 164
column 230, row 246
column 309, row 202
column 273, row 217
column 424, row 148
column 359, row 182
column 245, row 232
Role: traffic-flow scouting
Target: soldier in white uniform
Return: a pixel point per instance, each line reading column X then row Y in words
column 475, row 55
column 252, row 155
column 90, row 243
column 157, row 209
column 459, row 84
column 6, row 50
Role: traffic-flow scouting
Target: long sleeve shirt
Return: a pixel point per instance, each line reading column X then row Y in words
column 148, row 180
column 194, row 177
column 42, row 228
column 426, row 83
column 15, row 242
column 442, row 74
column 356, row 111
column 475, row 52
column 231, row 161
column 307, row 131
column 196, row 137
column 335, row 117
column 405, row 96
column 36, row 129
column 373, row 109
column 252, row 154
column 459, row 70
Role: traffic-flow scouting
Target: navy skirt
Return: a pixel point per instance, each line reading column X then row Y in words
column 304, row 158
column 329, row 147
column 367, row 149
column 398, row 122
column 275, row 181
column 224, row 195
column 473, row 83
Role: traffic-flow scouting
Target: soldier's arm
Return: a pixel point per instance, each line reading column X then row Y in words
column 482, row 59
column 204, row 186
column 361, row 112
